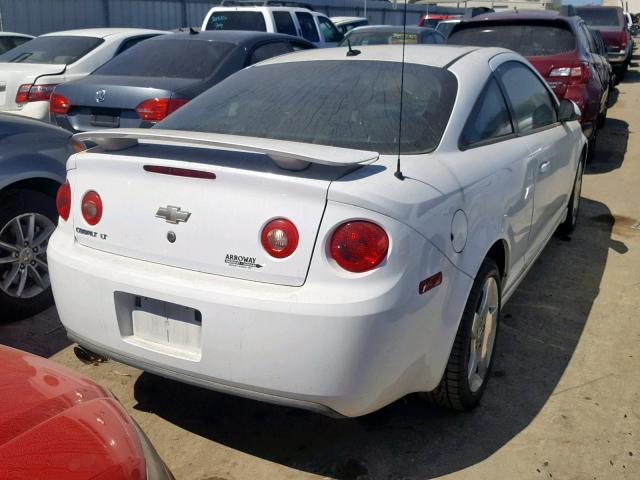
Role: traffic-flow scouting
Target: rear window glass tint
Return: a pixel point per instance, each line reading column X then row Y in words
column 284, row 23
column 59, row 50
column 527, row 40
column 230, row 20
column 373, row 37
column 350, row 104
column 170, row 58
column 308, row 26
column 600, row 17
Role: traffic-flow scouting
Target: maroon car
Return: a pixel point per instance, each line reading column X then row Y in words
column 611, row 23
column 562, row 49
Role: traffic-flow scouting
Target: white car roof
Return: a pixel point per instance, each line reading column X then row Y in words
column 262, row 8
column 103, row 32
column 340, row 20
column 432, row 55
column 14, row 34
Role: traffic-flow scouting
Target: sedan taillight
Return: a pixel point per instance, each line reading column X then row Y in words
column 63, row 200
column 279, row 237
column 359, row 246
column 156, row 109
column 575, row 74
column 59, row 104
column 34, row 93
column 91, row 207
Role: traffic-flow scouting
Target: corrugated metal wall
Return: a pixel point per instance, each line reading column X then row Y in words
column 42, row 16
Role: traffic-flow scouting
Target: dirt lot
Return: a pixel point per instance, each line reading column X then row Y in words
column 564, row 402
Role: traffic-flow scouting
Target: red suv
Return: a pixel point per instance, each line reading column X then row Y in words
column 563, row 49
column 612, row 24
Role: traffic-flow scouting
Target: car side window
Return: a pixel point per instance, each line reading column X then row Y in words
column 590, row 41
column 284, row 23
column 308, row 26
column 127, row 44
column 269, row 50
column 329, row 31
column 5, row 44
column 532, row 105
column 489, row 118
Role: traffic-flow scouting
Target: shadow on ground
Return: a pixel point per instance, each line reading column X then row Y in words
column 42, row 334
column 540, row 329
column 611, row 147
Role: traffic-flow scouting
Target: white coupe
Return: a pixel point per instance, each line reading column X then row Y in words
column 30, row 71
column 282, row 240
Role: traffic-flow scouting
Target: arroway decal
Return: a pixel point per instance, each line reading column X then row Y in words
column 241, row 261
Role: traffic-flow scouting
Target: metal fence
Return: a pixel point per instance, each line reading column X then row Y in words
column 41, row 16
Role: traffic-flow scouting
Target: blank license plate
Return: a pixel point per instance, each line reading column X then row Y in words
column 167, row 325
column 105, row 120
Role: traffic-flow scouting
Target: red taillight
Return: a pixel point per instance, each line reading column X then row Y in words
column 359, row 246
column 34, row 93
column 63, row 200
column 156, row 109
column 92, row 207
column 180, row 172
column 279, row 237
column 58, row 103
column 575, row 74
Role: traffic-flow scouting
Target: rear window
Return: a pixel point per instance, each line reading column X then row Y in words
column 527, row 40
column 232, row 20
column 600, row 17
column 373, row 37
column 59, row 50
column 170, row 58
column 350, row 104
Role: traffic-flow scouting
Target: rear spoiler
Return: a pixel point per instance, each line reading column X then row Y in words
column 287, row 155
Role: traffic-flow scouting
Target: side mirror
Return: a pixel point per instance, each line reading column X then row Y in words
column 569, row 111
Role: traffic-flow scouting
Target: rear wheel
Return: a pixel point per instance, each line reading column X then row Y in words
column 27, row 220
column 573, row 209
column 591, row 146
column 469, row 365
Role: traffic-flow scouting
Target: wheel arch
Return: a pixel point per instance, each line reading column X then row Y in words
column 499, row 253
column 44, row 185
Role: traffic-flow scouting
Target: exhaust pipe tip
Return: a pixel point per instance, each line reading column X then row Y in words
column 88, row 357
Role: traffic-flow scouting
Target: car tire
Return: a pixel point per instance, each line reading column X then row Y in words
column 591, row 143
column 18, row 208
column 573, row 208
column 465, row 377
column 602, row 117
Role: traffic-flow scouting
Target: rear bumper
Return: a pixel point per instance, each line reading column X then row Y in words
column 37, row 110
column 315, row 347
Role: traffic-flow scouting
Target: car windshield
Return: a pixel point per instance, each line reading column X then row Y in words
column 350, row 104
column 600, row 17
column 168, row 58
column 57, row 49
column 373, row 37
column 527, row 40
column 233, row 20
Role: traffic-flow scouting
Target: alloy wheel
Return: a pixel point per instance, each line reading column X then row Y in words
column 483, row 334
column 23, row 255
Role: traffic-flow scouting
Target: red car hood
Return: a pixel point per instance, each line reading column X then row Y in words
column 56, row 424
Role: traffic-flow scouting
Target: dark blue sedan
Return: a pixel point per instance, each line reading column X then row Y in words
column 143, row 85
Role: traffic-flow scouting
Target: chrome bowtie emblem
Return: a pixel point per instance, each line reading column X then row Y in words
column 173, row 214
column 100, row 94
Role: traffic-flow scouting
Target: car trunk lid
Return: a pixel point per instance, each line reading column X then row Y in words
column 12, row 75
column 211, row 225
column 100, row 101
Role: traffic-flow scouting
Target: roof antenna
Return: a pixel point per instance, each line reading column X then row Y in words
column 398, row 174
column 193, row 31
column 352, row 52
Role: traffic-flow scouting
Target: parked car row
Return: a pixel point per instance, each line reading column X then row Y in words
column 329, row 229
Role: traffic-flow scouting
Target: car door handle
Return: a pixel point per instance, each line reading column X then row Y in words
column 544, row 166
